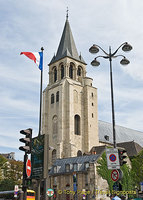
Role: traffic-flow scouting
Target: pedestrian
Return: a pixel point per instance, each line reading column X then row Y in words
column 116, row 198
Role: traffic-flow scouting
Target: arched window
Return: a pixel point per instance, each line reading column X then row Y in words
column 79, row 71
column 55, row 127
column 54, row 156
column 57, row 96
column 79, row 153
column 75, row 167
column 77, row 125
column 55, row 74
column 62, row 72
column 52, row 98
column 71, row 71
column 67, row 166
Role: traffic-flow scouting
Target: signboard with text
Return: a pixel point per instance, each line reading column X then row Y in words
column 112, row 158
column 37, row 157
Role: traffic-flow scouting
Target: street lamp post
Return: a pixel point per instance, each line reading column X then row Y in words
column 94, row 49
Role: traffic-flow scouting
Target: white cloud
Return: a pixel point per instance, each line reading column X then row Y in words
column 28, row 28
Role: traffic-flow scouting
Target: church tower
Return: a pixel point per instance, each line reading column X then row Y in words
column 69, row 102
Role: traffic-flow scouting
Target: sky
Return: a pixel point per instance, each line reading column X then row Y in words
column 29, row 25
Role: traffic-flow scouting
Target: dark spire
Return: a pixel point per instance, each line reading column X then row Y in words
column 67, row 45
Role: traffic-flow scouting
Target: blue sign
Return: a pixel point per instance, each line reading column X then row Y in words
column 74, row 187
column 112, row 157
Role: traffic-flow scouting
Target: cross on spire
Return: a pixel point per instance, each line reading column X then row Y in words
column 67, row 13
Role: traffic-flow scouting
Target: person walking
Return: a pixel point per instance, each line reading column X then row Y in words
column 116, row 198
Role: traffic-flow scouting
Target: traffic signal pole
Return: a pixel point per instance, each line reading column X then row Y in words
column 27, row 149
column 24, row 187
column 46, row 158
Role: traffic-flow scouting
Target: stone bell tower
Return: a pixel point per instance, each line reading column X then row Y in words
column 69, row 102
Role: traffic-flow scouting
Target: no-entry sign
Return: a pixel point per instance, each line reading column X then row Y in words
column 114, row 175
column 28, row 168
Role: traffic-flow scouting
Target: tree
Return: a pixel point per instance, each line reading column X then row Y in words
column 3, row 160
column 137, row 169
column 102, row 170
column 10, row 173
column 7, row 184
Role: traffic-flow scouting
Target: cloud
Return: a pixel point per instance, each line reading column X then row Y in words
column 106, row 23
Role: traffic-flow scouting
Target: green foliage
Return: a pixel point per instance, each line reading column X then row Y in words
column 126, row 181
column 102, row 170
column 2, row 160
column 7, row 184
column 137, row 169
column 10, row 173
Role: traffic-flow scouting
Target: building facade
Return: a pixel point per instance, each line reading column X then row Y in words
column 77, row 178
column 70, row 118
column 69, row 102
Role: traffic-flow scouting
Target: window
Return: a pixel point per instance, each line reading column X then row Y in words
column 55, row 181
column 55, row 74
column 57, row 96
column 92, row 104
column 92, row 115
column 62, row 72
column 79, row 71
column 55, row 169
column 79, row 153
column 55, row 126
column 92, row 94
column 53, row 155
column 52, row 98
column 77, row 125
column 71, row 71
column 86, row 164
column 86, row 179
column 106, row 137
column 75, row 167
column 67, row 167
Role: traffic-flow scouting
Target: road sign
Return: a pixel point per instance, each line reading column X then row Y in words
column 141, row 184
column 28, row 168
column 114, row 175
column 112, row 158
column 50, row 192
column 16, row 190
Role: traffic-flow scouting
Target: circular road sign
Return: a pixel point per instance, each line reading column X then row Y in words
column 114, row 175
column 112, row 157
column 28, row 168
column 50, row 192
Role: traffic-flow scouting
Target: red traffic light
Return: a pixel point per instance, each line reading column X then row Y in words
column 122, row 156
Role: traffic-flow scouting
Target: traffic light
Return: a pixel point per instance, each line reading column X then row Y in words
column 27, row 140
column 122, row 156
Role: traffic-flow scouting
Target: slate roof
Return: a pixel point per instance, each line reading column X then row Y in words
column 67, row 47
column 122, row 134
column 8, row 156
column 132, row 148
column 81, row 160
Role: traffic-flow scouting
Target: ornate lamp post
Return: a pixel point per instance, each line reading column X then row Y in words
column 95, row 49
